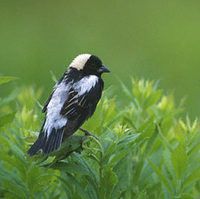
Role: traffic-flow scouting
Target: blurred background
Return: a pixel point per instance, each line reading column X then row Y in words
column 134, row 38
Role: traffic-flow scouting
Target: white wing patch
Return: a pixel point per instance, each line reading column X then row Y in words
column 53, row 117
column 85, row 84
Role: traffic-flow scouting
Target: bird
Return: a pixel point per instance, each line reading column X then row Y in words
column 72, row 102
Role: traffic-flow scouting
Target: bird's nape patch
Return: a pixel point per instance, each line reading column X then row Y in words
column 80, row 61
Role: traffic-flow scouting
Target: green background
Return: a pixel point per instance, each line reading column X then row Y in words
column 141, row 38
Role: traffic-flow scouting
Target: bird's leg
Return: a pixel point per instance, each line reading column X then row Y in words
column 87, row 133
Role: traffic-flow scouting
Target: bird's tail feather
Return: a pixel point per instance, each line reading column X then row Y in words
column 54, row 141
column 47, row 144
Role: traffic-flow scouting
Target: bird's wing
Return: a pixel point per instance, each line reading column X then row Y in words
column 65, row 75
column 85, row 103
column 47, row 102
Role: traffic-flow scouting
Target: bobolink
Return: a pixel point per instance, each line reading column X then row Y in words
column 72, row 102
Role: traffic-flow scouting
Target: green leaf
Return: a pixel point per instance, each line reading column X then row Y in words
column 160, row 175
column 192, row 178
column 113, row 166
column 153, row 98
column 12, row 96
column 91, row 192
column 53, row 77
column 168, row 166
column 152, row 139
column 92, row 188
column 4, row 80
column 129, row 139
column 179, row 160
column 6, row 119
column 117, row 156
column 86, row 166
column 107, row 183
column 71, row 168
column 123, row 170
column 32, row 177
column 187, row 196
column 109, row 151
column 68, row 180
column 13, row 184
column 126, row 90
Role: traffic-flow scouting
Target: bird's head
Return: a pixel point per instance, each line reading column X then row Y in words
column 89, row 65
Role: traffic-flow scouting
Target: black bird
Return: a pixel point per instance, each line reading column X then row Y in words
column 72, row 102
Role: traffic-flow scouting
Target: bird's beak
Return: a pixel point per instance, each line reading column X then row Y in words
column 103, row 69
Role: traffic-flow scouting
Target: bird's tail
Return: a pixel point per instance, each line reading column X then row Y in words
column 47, row 144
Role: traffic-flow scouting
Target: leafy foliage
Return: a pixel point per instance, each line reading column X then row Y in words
column 144, row 150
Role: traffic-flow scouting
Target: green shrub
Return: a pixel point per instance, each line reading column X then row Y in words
column 143, row 151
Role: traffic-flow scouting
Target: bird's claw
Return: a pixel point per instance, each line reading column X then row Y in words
column 87, row 133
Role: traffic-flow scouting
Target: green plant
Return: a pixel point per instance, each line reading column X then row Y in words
column 143, row 151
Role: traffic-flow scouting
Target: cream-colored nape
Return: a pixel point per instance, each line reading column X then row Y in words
column 80, row 61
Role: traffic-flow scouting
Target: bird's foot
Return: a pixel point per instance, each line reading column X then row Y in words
column 87, row 133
